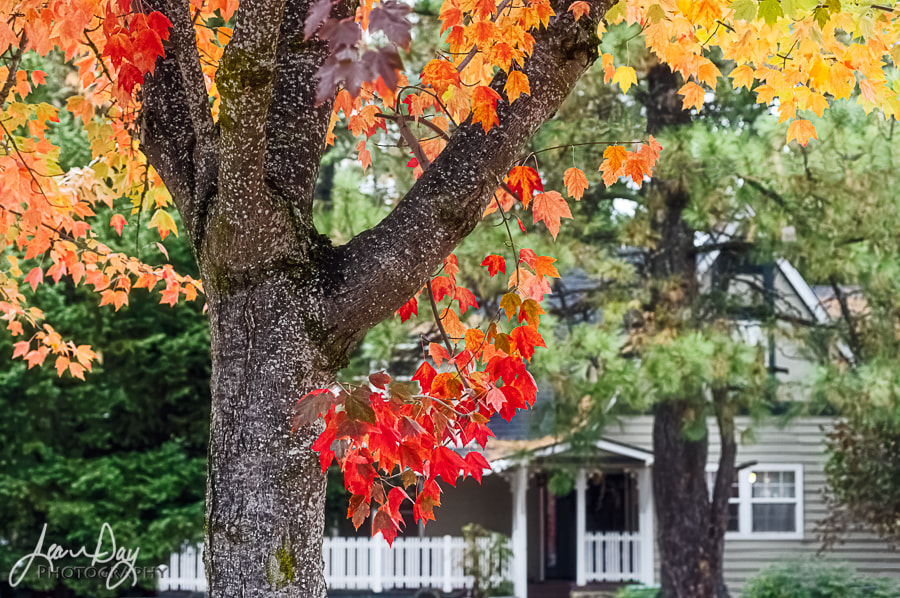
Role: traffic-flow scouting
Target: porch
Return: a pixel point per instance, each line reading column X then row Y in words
column 600, row 533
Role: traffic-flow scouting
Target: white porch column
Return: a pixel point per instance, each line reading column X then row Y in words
column 646, row 524
column 520, row 532
column 580, row 525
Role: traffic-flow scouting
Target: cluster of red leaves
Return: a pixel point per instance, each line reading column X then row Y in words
column 133, row 43
column 393, row 441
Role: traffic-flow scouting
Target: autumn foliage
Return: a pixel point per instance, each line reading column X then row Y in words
column 392, row 440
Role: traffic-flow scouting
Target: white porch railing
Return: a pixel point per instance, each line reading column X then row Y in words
column 358, row 564
column 612, row 556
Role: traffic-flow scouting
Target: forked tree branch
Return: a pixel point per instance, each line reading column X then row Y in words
column 384, row 266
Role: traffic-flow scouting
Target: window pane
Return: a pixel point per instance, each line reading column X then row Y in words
column 774, row 518
column 773, row 484
column 733, row 524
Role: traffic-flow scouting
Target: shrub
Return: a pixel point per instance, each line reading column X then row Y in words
column 638, row 592
column 817, row 578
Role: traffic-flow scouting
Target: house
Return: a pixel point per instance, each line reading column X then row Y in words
column 603, row 531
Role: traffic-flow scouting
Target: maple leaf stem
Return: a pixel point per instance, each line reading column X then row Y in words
column 96, row 51
column 441, row 133
column 574, row 145
column 512, row 242
column 413, row 142
column 432, row 94
column 25, row 164
column 14, row 67
column 137, row 229
column 726, row 26
column 447, row 343
column 62, row 235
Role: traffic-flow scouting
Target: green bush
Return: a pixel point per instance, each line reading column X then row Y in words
column 816, row 578
column 638, row 592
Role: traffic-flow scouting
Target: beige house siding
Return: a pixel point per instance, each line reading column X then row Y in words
column 799, row 442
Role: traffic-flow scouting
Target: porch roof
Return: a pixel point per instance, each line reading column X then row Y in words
column 504, row 454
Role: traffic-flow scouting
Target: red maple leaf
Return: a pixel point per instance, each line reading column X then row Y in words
column 524, row 181
column 494, row 263
column 527, row 339
column 447, row 463
column 484, row 107
column 408, row 309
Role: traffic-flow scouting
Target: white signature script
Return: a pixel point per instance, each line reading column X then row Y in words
column 122, row 560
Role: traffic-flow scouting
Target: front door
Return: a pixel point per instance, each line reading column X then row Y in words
column 559, row 554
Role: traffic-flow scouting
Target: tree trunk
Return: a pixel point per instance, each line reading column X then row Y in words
column 285, row 306
column 691, row 526
column 265, row 491
column 688, row 567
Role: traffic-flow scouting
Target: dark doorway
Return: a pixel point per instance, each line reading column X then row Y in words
column 612, row 503
column 560, row 541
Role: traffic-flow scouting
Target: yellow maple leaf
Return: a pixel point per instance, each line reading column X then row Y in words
column 742, row 76
column 625, row 77
column 164, row 223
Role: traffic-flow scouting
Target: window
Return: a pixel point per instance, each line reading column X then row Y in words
column 766, row 501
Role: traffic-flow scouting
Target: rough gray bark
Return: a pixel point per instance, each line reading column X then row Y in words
column 690, row 524
column 285, row 306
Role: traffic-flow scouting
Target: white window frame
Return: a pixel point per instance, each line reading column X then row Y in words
column 745, row 502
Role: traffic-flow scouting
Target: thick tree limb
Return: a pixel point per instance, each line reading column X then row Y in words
column 245, row 80
column 167, row 137
column 384, row 266
column 296, row 127
column 176, row 118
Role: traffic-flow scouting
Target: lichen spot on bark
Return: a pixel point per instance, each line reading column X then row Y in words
column 282, row 569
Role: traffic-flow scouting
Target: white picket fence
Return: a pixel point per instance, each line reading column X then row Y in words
column 612, row 556
column 358, row 564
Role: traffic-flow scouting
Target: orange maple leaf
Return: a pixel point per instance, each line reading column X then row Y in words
column 579, row 8
column 524, row 181
column 441, row 75
column 482, row 33
column 611, row 167
column 484, row 107
column 576, row 182
column 801, row 130
column 549, row 208
column 118, row 223
column 516, row 83
column 693, row 95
